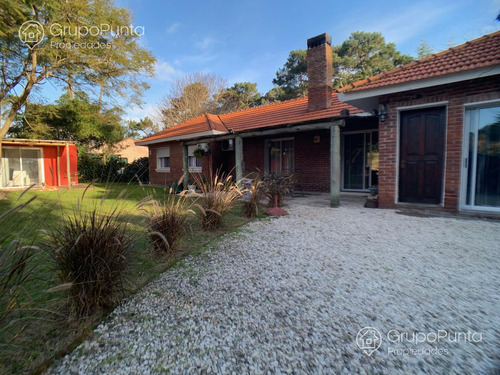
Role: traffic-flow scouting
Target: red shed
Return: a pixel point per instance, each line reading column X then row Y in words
column 26, row 162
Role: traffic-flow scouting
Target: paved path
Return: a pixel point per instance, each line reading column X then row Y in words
column 289, row 295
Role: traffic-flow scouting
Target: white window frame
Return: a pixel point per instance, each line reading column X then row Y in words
column 193, row 168
column 41, row 165
column 465, row 152
column 163, row 152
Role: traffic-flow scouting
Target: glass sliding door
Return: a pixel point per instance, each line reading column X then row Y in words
column 354, row 161
column 360, row 160
column 20, row 167
column 481, row 166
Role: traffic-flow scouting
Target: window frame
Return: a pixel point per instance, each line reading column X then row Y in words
column 162, row 153
column 465, row 162
column 267, row 160
column 194, row 168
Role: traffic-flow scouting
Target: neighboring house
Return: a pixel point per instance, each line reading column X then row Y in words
column 439, row 128
column 126, row 150
column 426, row 134
column 301, row 136
column 25, row 162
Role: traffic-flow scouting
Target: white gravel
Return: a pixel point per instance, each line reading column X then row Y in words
column 289, row 295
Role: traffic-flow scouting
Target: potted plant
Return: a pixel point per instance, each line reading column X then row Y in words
column 201, row 151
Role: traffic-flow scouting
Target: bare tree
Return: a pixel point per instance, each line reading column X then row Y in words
column 190, row 96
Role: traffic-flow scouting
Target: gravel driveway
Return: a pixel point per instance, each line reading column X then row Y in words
column 290, row 294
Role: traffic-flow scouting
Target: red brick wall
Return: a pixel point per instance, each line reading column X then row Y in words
column 457, row 95
column 312, row 160
column 320, row 73
column 176, row 173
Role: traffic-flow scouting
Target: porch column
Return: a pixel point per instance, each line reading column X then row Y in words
column 238, row 156
column 185, row 166
column 335, row 163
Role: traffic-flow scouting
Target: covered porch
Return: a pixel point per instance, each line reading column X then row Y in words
column 339, row 155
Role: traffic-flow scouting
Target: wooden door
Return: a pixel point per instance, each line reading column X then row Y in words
column 421, row 159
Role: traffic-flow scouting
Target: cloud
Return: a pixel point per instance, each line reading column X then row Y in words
column 166, row 72
column 173, row 28
column 394, row 24
column 205, row 43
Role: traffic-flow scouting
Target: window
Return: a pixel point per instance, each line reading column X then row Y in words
column 21, row 167
column 481, row 164
column 280, row 156
column 193, row 162
column 360, row 160
column 163, row 159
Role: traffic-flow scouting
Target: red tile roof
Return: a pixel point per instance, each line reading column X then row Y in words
column 282, row 113
column 287, row 112
column 203, row 123
column 478, row 53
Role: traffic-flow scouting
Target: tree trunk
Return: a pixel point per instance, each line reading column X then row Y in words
column 71, row 91
column 100, row 95
column 21, row 100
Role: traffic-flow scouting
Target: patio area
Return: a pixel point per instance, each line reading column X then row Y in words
column 291, row 294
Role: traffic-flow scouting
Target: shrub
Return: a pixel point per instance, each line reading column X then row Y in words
column 218, row 195
column 91, row 253
column 138, row 170
column 17, row 268
column 96, row 168
column 277, row 186
column 167, row 221
column 253, row 195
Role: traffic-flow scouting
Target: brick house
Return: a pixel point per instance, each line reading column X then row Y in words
column 439, row 128
column 400, row 131
column 302, row 136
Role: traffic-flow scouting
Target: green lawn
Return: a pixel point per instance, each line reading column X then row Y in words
column 44, row 329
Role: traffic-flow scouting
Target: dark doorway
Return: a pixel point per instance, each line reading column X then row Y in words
column 421, row 158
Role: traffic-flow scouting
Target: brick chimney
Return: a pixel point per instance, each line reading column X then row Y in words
column 319, row 72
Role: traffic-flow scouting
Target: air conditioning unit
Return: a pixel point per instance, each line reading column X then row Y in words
column 227, row 145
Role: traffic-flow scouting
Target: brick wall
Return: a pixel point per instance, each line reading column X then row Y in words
column 457, row 95
column 320, row 73
column 176, row 173
column 312, row 160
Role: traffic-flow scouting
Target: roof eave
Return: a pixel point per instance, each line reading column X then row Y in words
column 35, row 142
column 361, row 99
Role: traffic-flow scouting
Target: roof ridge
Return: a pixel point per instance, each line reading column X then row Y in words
column 210, row 125
column 264, row 105
column 270, row 104
column 222, row 122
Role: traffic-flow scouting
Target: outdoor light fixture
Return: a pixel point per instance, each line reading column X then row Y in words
column 382, row 112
